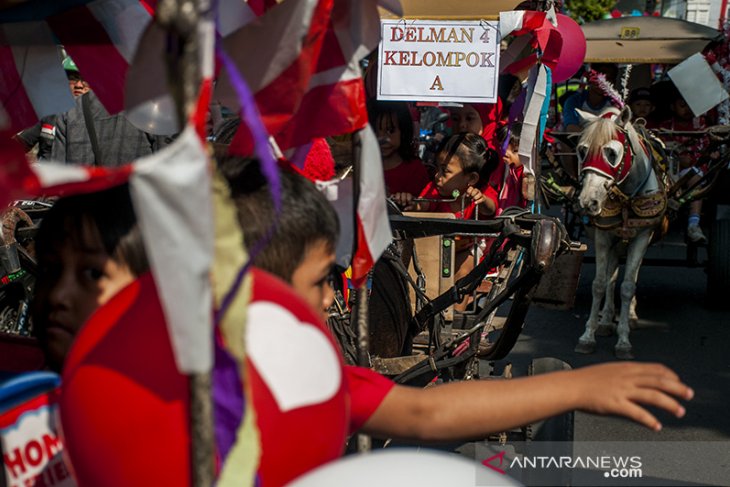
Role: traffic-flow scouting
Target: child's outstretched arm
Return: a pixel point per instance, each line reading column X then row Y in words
column 474, row 409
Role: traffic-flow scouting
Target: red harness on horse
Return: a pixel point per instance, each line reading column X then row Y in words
column 617, row 171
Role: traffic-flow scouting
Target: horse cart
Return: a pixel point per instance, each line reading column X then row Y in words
column 648, row 44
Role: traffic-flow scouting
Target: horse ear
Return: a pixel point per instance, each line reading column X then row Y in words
column 625, row 116
column 586, row 116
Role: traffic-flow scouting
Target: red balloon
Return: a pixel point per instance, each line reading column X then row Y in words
column 573, row 51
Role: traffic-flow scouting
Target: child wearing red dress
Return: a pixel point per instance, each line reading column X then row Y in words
column 393, row 126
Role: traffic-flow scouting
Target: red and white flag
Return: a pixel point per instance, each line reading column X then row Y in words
column 335, row 101
column 373, row 234
column 277, row 55
column 32, row 81
column 301, row 59
column 101, row 37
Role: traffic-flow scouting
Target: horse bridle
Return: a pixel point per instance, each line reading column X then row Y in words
column 617, row 173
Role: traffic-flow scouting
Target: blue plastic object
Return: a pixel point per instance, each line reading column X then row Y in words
column 24, row 386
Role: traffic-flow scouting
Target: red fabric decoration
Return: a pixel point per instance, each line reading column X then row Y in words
column 124, row 405
column 319, row 164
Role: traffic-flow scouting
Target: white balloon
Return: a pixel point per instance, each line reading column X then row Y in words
column 403, row 467
column 148, row 104
column 157, row 117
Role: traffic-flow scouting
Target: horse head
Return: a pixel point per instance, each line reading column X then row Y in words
column 607, row 156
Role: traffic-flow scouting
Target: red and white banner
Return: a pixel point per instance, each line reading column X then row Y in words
column 277, row 56
column 335, row 101
column 32, row 81
column 101, row 37
column 373, row 227
column 301, row 59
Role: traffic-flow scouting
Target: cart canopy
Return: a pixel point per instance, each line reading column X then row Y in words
column 645, row 40
column 461, row 10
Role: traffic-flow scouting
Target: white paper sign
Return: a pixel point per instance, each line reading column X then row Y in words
column 423, row 60
column 698, row 84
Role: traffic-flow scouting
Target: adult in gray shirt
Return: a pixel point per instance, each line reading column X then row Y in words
column 117, row 141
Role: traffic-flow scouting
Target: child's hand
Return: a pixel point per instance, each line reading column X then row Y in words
column 622, row 389
column 405, row 201
column 477, row 196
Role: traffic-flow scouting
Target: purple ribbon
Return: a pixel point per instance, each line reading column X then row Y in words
column 229, row 405
column 252, row 118
column 228, row 400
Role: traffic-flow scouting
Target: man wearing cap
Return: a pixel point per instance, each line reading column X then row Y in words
column 44, row 131
column 76, row 83
column 88, row 134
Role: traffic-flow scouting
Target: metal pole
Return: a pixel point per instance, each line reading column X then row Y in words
column 181, row 19
column 363, row 339
column 364, row 443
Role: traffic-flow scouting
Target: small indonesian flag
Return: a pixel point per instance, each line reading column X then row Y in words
column 48, row 131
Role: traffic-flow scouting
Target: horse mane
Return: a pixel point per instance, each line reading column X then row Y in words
column 597, row 134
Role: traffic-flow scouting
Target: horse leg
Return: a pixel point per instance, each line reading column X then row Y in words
column 587, row 341
column 606, row 327
column 636, row 250
column 633, row 317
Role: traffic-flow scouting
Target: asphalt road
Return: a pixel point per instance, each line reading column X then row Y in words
column 676, row 329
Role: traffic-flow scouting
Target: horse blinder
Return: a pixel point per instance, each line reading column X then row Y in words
column 614, row 160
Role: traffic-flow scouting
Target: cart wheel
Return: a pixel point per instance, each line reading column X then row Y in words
column 557, row 430
column 718, row 268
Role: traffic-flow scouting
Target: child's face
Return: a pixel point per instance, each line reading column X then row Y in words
column 311, row 279
column 641, row 108
column 451, row 176
column 466, row 119
column 681, row 110
column 75, row 280
column 511, row 156
column 388, row 134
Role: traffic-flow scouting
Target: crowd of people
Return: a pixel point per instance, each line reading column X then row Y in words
column 86, row 255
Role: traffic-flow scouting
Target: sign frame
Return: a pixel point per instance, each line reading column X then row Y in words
column 434, row 52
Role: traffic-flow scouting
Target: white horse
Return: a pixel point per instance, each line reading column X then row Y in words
column 625, row 200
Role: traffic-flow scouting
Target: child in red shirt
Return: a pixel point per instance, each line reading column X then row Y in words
column 688, row 151
column 393, row 126
column 512, row 171
column 465, row 163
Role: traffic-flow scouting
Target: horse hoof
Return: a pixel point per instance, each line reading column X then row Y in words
column 585, row 348
column 605, row 330
column 624, row 353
